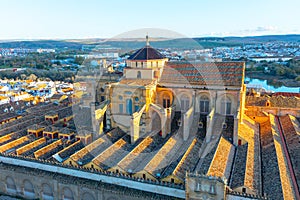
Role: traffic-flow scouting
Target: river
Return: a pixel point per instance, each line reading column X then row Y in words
column 264, row 84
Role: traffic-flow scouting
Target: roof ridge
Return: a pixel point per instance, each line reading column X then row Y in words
column 137, row 52
column 146, row 53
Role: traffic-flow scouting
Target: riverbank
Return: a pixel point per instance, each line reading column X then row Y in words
column 276, row 81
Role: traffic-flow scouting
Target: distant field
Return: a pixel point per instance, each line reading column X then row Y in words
column 4, row 67
column 181, row 43
column 175, row 44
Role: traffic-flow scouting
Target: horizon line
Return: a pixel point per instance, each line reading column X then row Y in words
column 131, row 38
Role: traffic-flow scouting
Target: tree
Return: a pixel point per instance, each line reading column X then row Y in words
column 23, row 76
column 32, row 77
column 79, row 60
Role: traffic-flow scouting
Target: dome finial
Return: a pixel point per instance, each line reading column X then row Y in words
column 147, row 40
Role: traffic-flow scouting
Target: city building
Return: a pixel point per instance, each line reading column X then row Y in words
column 162, row 129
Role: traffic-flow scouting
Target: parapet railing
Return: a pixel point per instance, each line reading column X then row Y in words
column 100, row 172
column 252, row 196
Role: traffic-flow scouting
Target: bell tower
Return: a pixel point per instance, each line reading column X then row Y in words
column 145, row 63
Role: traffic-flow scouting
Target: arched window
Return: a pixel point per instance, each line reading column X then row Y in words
column 111, row 198
column 67, row 194
column 212, row 189
column 10, row 185
column 120, row 108
column 28, row 189
column 47, row 192
column 166, row 101
column 185, row 102
column 204, row 104
column 129, row 106
column 87, row 196
column 268, row 103
column 198, row 187
column 136, row 108
column 226, row 106
column 139, row 74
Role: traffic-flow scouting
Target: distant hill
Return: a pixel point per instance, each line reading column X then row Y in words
column 51, row 44
column 133, row 43
column 267, row 38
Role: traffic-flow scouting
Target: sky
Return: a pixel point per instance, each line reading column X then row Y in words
column 71, row 19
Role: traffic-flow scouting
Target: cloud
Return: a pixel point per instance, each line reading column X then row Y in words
column 259, row 30
column 266, row 28
column 253, row 31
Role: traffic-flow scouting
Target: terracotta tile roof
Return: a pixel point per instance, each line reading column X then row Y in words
column 51, row 128
column 129, row 162
column 222, row 161
column 92, row 150
column 66, row 131
column 285, row 175
column 51, row 113
column 249, row 131
column 67, row 152
column 146, row 53
column 270, row 171
column 167, row 158
column 49, row 150
column 30, row 152
column 177, row 158
column 56, row 96
column 31, row 145
column 287, row 94
column 210, row 149
column 8, row 116
column 292, row 137
column 138, row 158
column 200, row 73
column 115, row 153
column 35, row 127
column 275, row 101
column 16, row 143
column 162, row 155
column 87, row 153
column 112, row 154
column 6, row 138
column 239, row 167
column 189, row 160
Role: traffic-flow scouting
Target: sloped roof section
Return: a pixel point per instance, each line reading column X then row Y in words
column 204, row 73
column 146, row 53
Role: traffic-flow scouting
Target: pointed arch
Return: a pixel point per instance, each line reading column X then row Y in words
column 139, row 74
column 28, row 189
column 47, row 192
column 165, row 98
column 204, row 104
column 184, row 102
column 226, row 105
column 67, row 194
column 10, row 185
column 87, row 196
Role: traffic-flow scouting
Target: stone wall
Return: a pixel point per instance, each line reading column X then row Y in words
column 39, row 184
